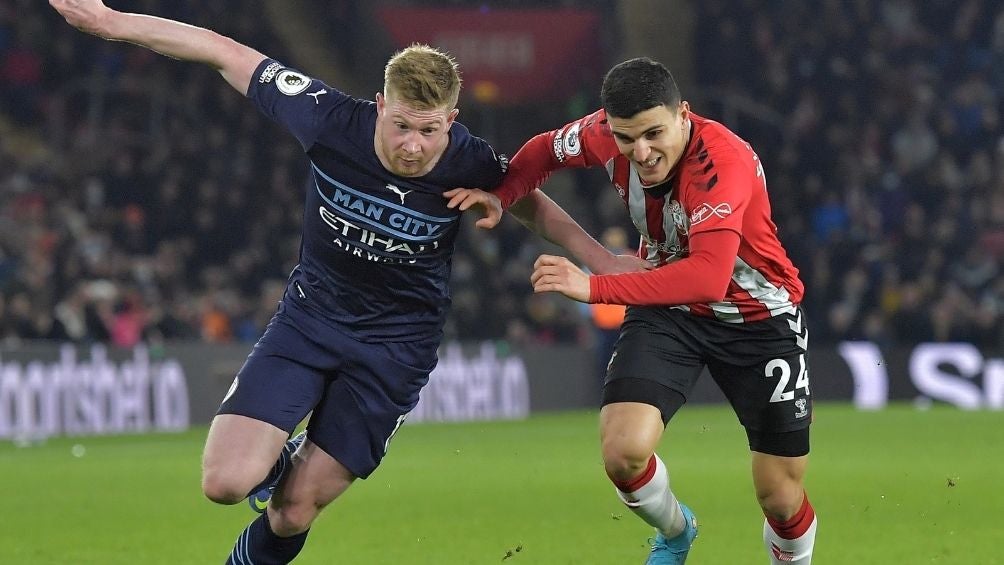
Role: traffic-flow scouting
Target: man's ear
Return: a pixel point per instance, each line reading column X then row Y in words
column 381, row 102
column 684, row 111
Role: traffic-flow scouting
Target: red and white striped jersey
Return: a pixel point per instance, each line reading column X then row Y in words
column 718, row 184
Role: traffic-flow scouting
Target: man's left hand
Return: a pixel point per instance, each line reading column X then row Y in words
column 490, row 205
column 558, row 274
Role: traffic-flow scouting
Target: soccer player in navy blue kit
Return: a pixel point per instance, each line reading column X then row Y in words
column 356, row 333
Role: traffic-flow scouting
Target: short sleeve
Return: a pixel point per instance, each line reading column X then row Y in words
column 472, row 162
column 301, row 104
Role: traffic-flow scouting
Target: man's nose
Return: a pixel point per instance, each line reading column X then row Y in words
column 641, row 150
column 411, row 144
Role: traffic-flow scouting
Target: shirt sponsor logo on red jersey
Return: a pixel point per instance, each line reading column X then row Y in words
column 670, row 248
column 706, row 211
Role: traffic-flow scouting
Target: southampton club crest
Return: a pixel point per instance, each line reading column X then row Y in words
column 802, row 405
column 679, row 217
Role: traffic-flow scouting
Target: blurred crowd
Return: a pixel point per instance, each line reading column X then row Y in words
column 142, row 199
column 887, row 179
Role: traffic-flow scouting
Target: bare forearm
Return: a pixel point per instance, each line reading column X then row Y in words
column 236, row 62
column 174, row 39
column 544, row 217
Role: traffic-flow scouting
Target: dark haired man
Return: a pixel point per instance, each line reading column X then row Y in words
column 723, row 295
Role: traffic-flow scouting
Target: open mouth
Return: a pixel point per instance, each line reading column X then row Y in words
column 650, row 163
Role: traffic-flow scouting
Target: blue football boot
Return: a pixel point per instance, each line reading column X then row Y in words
column 674, row 551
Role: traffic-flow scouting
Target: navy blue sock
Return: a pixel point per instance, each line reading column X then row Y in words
column 258, row 545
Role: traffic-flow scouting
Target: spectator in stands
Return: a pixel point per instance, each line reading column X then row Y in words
column 916, row 69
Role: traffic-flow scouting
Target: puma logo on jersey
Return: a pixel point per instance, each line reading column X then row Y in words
column 399, row 192
column 317, row 94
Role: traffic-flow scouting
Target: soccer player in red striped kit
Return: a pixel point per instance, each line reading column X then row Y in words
column 723, row 295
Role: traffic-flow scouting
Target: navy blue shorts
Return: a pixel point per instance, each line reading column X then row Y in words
column 359, row 393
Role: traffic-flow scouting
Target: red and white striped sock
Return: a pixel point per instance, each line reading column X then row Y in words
column 791, row 541
column 648, row 496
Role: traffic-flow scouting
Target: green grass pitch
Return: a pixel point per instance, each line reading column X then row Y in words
column 897, row 486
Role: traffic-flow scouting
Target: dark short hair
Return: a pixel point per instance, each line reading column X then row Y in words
column 637, row 85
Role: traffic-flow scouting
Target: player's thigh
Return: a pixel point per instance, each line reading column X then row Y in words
column 762, row 367
column 241, row 449
column 654, row 362
column 364, row 406
column 283, row 378
column 771, row 403
column 279, row 384
column 771, row 472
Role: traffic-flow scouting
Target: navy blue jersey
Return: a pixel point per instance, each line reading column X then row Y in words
column 376, row 250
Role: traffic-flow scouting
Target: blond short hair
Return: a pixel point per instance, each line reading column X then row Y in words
column 424, row 77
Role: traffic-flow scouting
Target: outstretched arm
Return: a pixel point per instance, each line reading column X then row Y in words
column 236, row 62
column 543, row 216
column 546, row 218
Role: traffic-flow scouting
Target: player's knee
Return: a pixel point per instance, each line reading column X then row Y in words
column 222, row 488
column 780, row 501
column 624, row 462
column 291, row 519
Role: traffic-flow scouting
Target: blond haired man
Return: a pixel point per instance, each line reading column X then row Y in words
column 355, row 336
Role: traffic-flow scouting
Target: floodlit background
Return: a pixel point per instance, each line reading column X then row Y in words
column 149, row 217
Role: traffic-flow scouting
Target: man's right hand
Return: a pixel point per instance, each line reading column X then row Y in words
column 86, row 15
